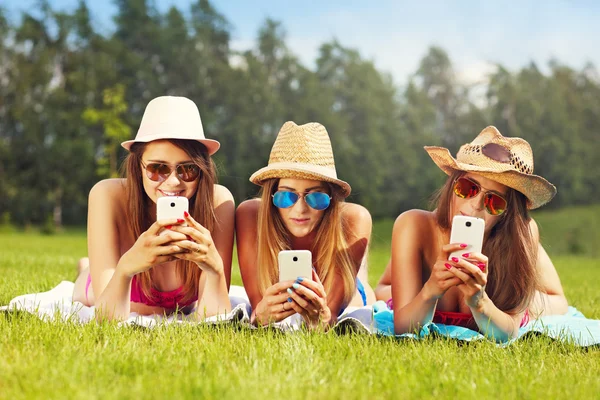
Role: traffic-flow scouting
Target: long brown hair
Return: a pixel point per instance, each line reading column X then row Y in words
column 509, row 246
column 201, row 207
column 329, row 249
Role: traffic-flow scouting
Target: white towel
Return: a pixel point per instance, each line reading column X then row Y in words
column 57, row 304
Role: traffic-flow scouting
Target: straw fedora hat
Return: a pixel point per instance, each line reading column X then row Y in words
column 171, row 117
column 301, row 152
column 506, row 160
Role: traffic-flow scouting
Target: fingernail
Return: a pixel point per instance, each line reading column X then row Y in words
column 448, row 266
column 168, row 226
column 289, row 291
column 289, row 299
column 463, row 245
column 295, row 285
column 481, row 266
column 188, row 237
column 186, row 214
column 466, row 255
column 454, row 259
column 299, row 279
column 179, row 220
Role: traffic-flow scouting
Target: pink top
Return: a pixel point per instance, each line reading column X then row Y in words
column 168, row 300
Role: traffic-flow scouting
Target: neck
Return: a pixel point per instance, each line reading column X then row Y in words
column 303, row 243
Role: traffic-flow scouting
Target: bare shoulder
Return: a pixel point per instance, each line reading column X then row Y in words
column 222, row 195
column 415, row 218
column 109, row 191
column 247, row 210
column 356, row 215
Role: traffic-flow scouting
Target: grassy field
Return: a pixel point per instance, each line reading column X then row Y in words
column 52, row 360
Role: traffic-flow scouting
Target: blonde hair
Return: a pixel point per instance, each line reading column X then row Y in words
column 201, row 208
column 509, row 246
column 330, row 249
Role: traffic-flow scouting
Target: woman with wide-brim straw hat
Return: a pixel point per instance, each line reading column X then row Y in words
column 495, row 291
column 302, row 207
column 138, row 264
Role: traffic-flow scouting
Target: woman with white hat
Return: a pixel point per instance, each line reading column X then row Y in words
column 138, row 264
column 496, row 290
column 301, row 207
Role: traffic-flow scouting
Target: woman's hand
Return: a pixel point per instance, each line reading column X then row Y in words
column 199, row 246
column 152, row 248
column 471, row 269
column 274, row 306
column 441, row 279
column 310, row 300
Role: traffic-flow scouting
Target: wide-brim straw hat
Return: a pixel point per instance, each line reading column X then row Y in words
column 172, row 117
column 301, row 152
column 506, row 160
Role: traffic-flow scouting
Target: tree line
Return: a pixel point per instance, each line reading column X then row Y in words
column 69, row 95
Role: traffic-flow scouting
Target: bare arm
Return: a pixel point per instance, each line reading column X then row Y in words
column 415, row 302
column 112, row 273
column 215, row 297
column 551, row 298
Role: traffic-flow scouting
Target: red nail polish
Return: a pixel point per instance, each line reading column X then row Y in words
column 466, row 255
column 448, row 266
column 481, row 266
column 186, row 214
column 168, row 226
column 179, row 220
column 454, row 259
column 463, row 245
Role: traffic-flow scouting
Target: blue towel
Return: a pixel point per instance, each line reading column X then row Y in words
column 571, row 327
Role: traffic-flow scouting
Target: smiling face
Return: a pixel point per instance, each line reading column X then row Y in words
column 164, row 152
column 300, row 219
column 474, row 206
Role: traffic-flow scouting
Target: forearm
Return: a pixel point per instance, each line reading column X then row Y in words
column 493, row 322
column 114, row 301
column 215, row 299
column 415, row 314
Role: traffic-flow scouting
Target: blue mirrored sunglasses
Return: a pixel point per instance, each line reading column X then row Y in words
column 317, row 200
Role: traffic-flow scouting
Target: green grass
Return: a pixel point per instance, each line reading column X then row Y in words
column 63, row 360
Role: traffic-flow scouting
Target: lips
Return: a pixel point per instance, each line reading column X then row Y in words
column 300, row 220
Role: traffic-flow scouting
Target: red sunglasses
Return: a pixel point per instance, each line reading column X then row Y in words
column 160, row 172
column 494, row 203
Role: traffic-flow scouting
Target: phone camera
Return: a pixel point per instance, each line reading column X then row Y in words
column 295, row 258
column 468, row 223
column 173, row 205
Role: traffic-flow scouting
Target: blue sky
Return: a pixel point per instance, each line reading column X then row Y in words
column 396, row 34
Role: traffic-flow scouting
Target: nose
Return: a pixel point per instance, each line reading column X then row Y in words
column 301, row 205
column 477, row 202
column 173, row 179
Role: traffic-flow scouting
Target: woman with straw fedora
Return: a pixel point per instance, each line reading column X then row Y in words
column 138, row 264
column 302, row 207
column 494, row 291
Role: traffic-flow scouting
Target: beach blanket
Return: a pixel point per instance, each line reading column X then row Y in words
column 571, row 327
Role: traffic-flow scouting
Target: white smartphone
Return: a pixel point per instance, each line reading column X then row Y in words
column 294, row 263
column 170, row 207
column 468, row 230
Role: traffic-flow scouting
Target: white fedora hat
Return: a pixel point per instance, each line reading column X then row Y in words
column 171, row 117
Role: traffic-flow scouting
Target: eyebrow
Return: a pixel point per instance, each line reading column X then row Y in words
column 306, row 190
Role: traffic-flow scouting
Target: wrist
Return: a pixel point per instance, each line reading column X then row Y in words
column 428, row 295
column 479, row 303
